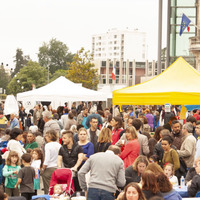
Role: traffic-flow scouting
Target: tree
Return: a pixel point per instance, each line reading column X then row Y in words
column 82, row 70
column 4, row 77
column 58, row 73
column 20, row 61
column 54, row 55
column 33, row 73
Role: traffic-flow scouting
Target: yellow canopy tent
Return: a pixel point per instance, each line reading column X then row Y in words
column 179, row 84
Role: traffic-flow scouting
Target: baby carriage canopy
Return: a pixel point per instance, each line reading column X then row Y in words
column 64, row 177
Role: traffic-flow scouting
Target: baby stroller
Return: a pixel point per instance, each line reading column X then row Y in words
column 63, row 177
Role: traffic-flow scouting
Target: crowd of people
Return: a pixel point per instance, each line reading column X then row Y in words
column 133, row 154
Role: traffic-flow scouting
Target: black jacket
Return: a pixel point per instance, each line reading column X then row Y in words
column 195, row 186
column 131, row 175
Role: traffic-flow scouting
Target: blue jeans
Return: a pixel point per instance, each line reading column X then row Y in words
column 99, row 194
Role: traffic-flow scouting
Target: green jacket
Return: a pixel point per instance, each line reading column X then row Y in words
column 32, row 145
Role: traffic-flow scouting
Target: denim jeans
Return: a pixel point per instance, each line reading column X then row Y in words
column 99, row 194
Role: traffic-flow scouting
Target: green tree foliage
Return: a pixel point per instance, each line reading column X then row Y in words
column 54, row 55
column 82, row 70
column 33, row 73
column 4, row 78
column 58, row 73
column 20, row 61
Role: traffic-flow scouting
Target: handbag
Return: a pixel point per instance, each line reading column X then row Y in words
column 183, row 167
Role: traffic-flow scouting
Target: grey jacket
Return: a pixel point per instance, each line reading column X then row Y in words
column 106, row 172
column 51, row 125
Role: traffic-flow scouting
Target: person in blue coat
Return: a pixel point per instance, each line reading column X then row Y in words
column 88, row 147
column 166, row 188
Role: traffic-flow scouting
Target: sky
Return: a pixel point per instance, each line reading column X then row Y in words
column 27, row 24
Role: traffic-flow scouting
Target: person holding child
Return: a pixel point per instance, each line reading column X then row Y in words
column 26, row 177
column 10, row 172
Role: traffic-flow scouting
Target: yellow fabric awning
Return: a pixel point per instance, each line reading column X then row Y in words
column 179, row 84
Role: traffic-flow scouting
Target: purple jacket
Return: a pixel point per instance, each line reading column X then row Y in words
column 150, row 120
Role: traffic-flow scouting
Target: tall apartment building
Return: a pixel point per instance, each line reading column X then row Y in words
column 120, row 44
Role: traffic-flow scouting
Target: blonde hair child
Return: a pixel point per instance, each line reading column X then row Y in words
column 10, row 171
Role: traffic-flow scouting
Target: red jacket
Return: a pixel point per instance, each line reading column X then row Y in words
column 115, row 135
column 130, row 153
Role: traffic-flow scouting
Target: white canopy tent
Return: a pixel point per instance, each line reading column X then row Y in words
column 59, row 91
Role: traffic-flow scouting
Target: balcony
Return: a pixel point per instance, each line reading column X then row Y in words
column 195, row 44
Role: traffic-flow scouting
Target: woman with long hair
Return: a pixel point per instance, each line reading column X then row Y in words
column 132, row 148
column 104, row 140
column 166, row 188
column 133, row 173
column 154, row 140
column 117, row 124
column 149, row 184
column 133, row 192
column 155, row 168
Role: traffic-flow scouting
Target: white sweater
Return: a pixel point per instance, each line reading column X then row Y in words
column 14, row 145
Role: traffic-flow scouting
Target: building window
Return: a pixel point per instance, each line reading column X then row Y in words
column 117, row 64
column 115, row 36
column 140, row 64
column 117, row 71
column 103, row 63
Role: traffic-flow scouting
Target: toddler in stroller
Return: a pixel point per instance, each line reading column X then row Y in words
column 61, row 183
column 59, row 190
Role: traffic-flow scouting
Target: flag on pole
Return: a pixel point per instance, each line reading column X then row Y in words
column 113, row 73
column 184, row 23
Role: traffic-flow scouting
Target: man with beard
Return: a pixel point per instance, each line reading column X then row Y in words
column 176, row 134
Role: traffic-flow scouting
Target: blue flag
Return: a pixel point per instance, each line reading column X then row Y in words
column 184, row 23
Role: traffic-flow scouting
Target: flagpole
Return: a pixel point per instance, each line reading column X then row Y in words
column 159, row 37
column 192, row 22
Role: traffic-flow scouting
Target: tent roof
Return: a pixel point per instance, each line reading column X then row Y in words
column 61, row 89
column 179, row 84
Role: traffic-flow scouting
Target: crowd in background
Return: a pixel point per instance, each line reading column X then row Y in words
column 156, row 147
